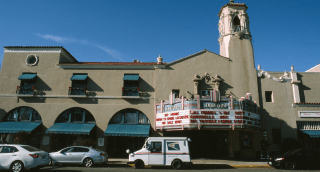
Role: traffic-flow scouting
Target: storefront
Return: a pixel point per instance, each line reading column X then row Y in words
column 127, row 129
column 22, row 125
column 218, row 126
column 73, row 127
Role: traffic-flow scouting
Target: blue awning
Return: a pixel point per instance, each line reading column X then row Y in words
column 27, row 76
column 70, row 128
column 79, row 77
column 131, row 77
column 127, row 130
column 16, row 127
column 312, row 133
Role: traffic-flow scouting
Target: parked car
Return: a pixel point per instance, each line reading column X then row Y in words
column 79, row 155
column 296, row 159
column 19, row 157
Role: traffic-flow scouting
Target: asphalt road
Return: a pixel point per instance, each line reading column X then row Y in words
column 125, row 168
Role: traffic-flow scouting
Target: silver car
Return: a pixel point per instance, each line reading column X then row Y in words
column 20, row 157
column 79, row 155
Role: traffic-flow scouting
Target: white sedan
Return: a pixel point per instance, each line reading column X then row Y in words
column 19, row 157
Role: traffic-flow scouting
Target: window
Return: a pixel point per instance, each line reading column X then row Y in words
column 30, row 148
column 276, row 136
column 129, row 116
column 205, row 92
column 173, row 146
column 79, row 84
column 8, row 149
column 176, row 93
column 156, row 146
column 269, row 96
column 76, row 115
column 28, row 83
column 130, row 85
column 25, row 114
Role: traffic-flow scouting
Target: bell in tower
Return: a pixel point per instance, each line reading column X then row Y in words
column 234, row 22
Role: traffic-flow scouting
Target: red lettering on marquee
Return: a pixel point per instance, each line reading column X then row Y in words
column 169, row 122
column 178, row 122
column 224, row 117
column 226, row 112
column 194, row 112
column 170, row 118
column 173, row 114
column 166, row 115
column 163, row 122
column 208, row 112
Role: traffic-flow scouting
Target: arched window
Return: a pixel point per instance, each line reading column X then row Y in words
column 236, row 21
column 25, row 114
column 75, row 115
column 129, row 116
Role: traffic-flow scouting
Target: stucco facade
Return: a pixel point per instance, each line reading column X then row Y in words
column 278, row 103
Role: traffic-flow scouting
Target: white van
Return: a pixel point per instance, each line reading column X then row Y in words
column 172, row 151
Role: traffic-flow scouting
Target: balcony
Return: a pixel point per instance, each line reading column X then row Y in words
column 130, row 91
column 77, row 92
column 27, row 91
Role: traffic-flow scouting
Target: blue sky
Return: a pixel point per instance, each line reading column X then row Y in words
column 284, row 32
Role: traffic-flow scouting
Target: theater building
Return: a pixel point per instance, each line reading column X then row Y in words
column 222, row 102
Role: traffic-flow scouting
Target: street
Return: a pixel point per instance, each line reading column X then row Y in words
column 125, row 168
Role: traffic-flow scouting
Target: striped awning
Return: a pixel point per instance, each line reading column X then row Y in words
column 16, row 127
column 27, row 76
column 71, row 128
column 131, row 77
column 78, row 77
column 127, row 130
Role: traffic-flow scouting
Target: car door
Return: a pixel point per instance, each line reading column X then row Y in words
column 78, row 154
column 156, row 155
column 7, row 155
column 64, row 156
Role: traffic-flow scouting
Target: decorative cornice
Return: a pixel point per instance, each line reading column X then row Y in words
column 88, row 66
column 306, row 105
column 282, row 78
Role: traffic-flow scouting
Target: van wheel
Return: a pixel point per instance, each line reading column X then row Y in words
column 176, row 164
column 16, row 166
column 139, row 164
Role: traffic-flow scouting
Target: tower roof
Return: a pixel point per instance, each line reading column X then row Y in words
column 231, row 3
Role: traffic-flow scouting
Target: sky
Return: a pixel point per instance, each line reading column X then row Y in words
column 284, row 33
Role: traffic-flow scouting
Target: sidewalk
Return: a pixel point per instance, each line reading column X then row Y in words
column 209, row 163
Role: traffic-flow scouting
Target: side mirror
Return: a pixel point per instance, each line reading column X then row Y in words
column 189, row 139
column 128, row 151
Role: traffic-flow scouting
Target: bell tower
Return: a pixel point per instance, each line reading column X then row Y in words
column 234, row 22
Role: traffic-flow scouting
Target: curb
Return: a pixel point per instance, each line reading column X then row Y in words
column 251, row 166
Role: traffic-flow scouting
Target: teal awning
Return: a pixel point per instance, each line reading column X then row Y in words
column 312, row 133
column 70, row 128
column 16, row 127
column 27, row 76
column 131, row 77
column 79, row 77
column 127, row 130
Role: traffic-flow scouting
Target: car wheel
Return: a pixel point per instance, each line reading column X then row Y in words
column 176, row 164
column 87, row 162
column 290, row 165
column 139, row 164
column 16, row 166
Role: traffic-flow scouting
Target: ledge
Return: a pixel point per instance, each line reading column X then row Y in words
column 24, row 95
column 76, row 96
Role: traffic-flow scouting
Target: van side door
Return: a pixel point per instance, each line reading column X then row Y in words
column 176, row 149
column 156, row 154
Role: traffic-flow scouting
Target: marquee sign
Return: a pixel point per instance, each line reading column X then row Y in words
column 194, row 118
column 213, row 111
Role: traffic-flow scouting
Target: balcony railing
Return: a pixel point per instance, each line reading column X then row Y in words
column 77, row 91
column 25, row 90
column 237, row 28
column 130, row 91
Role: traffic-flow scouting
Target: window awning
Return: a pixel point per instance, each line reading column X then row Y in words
column 70, row 128
column 131, row 77
column 127, row 130
column 15, row 127
column 78, row 77
column 312, row 133
column 27, row 76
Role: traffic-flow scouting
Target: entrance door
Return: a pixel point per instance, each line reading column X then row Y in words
column 156, row 155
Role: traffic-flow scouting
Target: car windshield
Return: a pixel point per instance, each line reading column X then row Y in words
column 30, row 148
column 292, row 152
